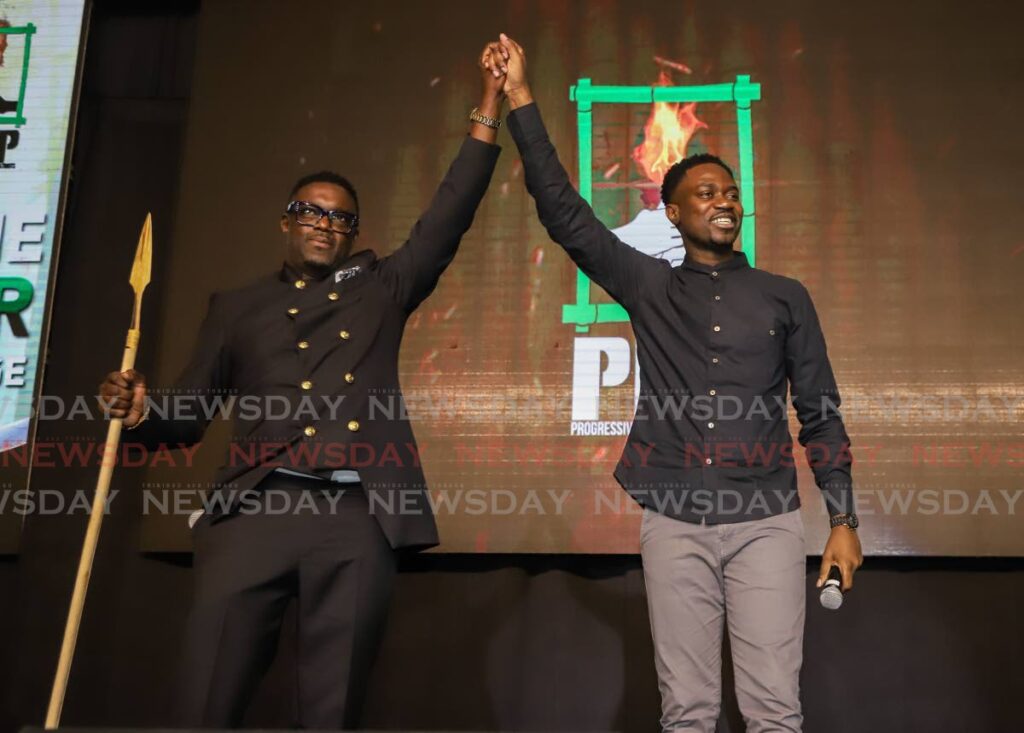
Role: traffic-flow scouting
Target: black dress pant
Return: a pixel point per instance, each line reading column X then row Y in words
column 332, row 558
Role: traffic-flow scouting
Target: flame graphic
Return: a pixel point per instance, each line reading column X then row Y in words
column 666, row 135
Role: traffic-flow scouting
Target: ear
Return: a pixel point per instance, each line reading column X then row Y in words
column 672, row 212
column 284, row 223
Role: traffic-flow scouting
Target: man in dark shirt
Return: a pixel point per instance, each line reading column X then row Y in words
column 323, row 334
column 709, row 455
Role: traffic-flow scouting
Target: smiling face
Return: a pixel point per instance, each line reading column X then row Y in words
column 315, row 249
column 705, row 207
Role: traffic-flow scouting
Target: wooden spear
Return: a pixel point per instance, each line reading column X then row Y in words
column 139, row 280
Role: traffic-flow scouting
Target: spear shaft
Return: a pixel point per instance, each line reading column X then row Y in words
column 139, row 279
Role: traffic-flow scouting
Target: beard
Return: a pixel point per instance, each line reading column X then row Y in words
column 318, row 268
column 708, row 241
column 721, row 247
column 318, row 264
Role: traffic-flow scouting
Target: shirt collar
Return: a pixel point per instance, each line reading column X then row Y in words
column 364, row 257
column 738, row 261
column 289, row 274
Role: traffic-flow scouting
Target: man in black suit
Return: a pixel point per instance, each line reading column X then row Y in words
column 322, row 336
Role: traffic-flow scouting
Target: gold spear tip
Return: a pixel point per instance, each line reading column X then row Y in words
column 143, row 257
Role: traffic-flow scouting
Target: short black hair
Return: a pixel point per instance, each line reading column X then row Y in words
column 676, row 172
column 326, row 177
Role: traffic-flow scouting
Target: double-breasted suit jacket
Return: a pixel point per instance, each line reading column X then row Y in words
column 310, row 367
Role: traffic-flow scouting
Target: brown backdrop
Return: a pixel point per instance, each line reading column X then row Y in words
column 884, row 144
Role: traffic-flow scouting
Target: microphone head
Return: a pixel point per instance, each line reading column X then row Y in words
column 831, row 597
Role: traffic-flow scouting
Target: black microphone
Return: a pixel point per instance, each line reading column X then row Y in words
column 832, row 592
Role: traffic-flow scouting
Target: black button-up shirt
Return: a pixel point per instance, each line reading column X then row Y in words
column 717, row 346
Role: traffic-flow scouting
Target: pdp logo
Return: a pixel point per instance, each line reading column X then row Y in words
column 602, row 402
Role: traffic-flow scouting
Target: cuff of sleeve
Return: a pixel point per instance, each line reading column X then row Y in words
column 145, row 416
column 473, row 146
column 525, row 123
column 838, row 495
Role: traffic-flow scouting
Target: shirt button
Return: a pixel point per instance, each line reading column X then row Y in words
column 712, row 392
column 350, row 378
column 714, row 359
column 717, row 328
column 718, row 297
column 300, row 284
column 333, row 296
column 707, row 461
column 293, row 311
column 345, row 335
column 711, row 425
column 771, row 332
column 307, row 385
column 310, row 431
column 303, row 344
column 353, row 425
column 714, row 273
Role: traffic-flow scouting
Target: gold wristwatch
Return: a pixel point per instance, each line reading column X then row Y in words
column 475, row 116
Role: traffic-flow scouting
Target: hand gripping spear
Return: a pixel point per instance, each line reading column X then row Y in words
column 139, row 280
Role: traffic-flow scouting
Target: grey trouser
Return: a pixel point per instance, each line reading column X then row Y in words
column 753, row 575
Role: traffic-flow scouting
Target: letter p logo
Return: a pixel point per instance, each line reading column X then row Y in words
column 588, row 378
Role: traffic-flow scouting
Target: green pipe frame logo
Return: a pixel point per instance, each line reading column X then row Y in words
column 18, row 118
column 742, row 92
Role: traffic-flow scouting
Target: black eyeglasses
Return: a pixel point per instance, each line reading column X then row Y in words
column 309, row 215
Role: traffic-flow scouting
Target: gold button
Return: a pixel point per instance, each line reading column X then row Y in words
column 310, row 431
column 350, row 378
column 333, row 296
column 293, row 311
column 712, row 392
column 353, row 425
column 717, row 328
column 345, row 335
column 307, row 385
column 300, row 284
column 303, row 344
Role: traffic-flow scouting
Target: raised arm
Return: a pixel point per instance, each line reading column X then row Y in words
column 620, row 269
column 412, row 271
